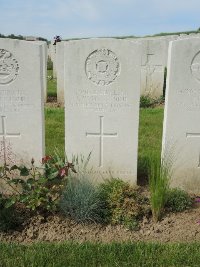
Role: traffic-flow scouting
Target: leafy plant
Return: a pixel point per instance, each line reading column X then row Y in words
column 8, row 218
column 80, row 200
column 149, row 102
column 178, row 200
column 159, row 177
column 145, row 102
column 37, row 188
column 49, row 64
column 123, row 204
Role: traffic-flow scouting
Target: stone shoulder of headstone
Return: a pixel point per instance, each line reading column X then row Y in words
column 181, row 130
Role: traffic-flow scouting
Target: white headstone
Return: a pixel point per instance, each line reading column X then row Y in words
column 152, row 66
column 181, row 133
column 60, row 72
column 44, row 64
column 53, row 58
column 102, row 90
column 21, row 101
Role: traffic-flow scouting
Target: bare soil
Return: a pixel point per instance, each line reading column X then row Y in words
column 179, row 227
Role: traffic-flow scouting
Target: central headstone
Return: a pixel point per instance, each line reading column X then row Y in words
column 102, row 90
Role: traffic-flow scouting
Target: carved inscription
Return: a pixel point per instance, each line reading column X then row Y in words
column 188, row 99
column 102, row 67
column 195, row 67
column 9, row 67
column 194, row 135
column 14, row 100
column 104, row 100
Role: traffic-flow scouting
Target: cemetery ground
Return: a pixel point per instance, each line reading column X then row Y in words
column 168, row 242
column 51, row 239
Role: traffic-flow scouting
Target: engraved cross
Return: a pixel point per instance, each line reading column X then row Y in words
column 188, row 135
column 101, row 136
column 150, row 69
column 6, row 134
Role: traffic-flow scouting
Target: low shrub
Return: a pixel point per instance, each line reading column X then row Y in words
column 178, row 200
column 8, row 219
column 80, row 200
column 122, row 203
column 149, row 102
column 37, row 188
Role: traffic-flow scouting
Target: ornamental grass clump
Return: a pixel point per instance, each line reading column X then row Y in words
column 159, row 178
column 80, row 200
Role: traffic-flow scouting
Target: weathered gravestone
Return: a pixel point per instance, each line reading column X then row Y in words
column 181, row 134
column 21, row 102
column 102, row 79
column 44, row 64
column 152, row 67
column 53, row 58
column 60, row 72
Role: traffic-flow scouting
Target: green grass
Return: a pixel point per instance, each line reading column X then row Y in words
column 51, row 85
column 150, row 139
column 87, row 254
column 54, row 133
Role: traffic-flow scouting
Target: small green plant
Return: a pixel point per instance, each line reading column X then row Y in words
column 80, row 200
column 159, row 178
column 145, row 102
column 149, row 102
column 49, row 64
column 122, row 203
column 178, row 200
column 37, row 188
column 8, row 218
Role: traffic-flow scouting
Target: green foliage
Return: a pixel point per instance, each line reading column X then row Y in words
column 150, row 136
column 123, row 204
column 8, row 219
column 55, row 133
column 145, row 102
column 178, row 200
column 38, row 189
column 51, row 84
column 159, row 177
column 49, row 64
column 149, row 102
column 80, row 200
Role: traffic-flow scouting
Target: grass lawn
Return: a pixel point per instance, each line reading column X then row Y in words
column 51, row 85
column 55, row 140
column 89, row 255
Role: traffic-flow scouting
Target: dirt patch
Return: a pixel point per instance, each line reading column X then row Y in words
column 180, row 227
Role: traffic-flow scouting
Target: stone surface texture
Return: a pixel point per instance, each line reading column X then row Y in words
column 181, row 132
column 21, row 101
column 60, row 72
column 102, row 90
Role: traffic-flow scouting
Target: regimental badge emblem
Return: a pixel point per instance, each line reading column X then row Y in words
column 195, row 66
column 102, row 67
column 9, row 67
